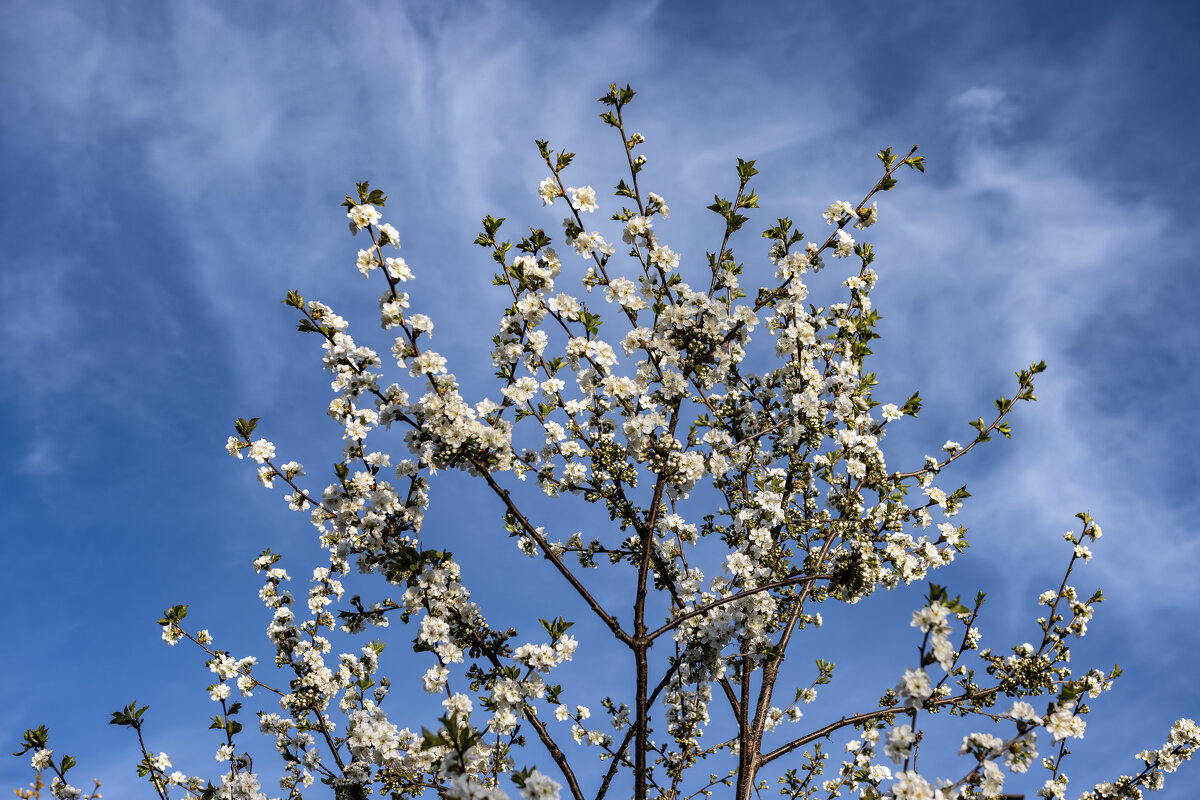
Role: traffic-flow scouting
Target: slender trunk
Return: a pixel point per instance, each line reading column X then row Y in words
column 747, row 769
column 747, row 741
column 641, row 738
column 641, row 642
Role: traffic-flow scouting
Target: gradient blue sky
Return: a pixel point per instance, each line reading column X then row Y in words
column 169, row 170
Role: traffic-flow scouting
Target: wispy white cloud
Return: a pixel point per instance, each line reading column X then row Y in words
column 1022, row 256
column 983, row 107
column 1008, row 244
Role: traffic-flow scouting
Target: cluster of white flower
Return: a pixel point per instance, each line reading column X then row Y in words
column 914, row 688
column 932, row 620
column 1063, row 722
column 242, row 786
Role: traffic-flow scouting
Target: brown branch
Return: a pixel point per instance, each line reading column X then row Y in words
column 594, row 604
column 722, row 601
column 821, row 733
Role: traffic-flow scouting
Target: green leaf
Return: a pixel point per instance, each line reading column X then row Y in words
column 490, row 226
column 590, row 322
column 306, row 326
column 173, row 615
column 246, row 427
column 722, row 206
column 130, row 716
column 618, row 97
column 913, row 405
column 35, row 738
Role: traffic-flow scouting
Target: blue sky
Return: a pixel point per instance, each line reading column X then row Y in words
column 170, row 170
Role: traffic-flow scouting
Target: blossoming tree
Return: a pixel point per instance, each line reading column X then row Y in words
column 745, row 483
